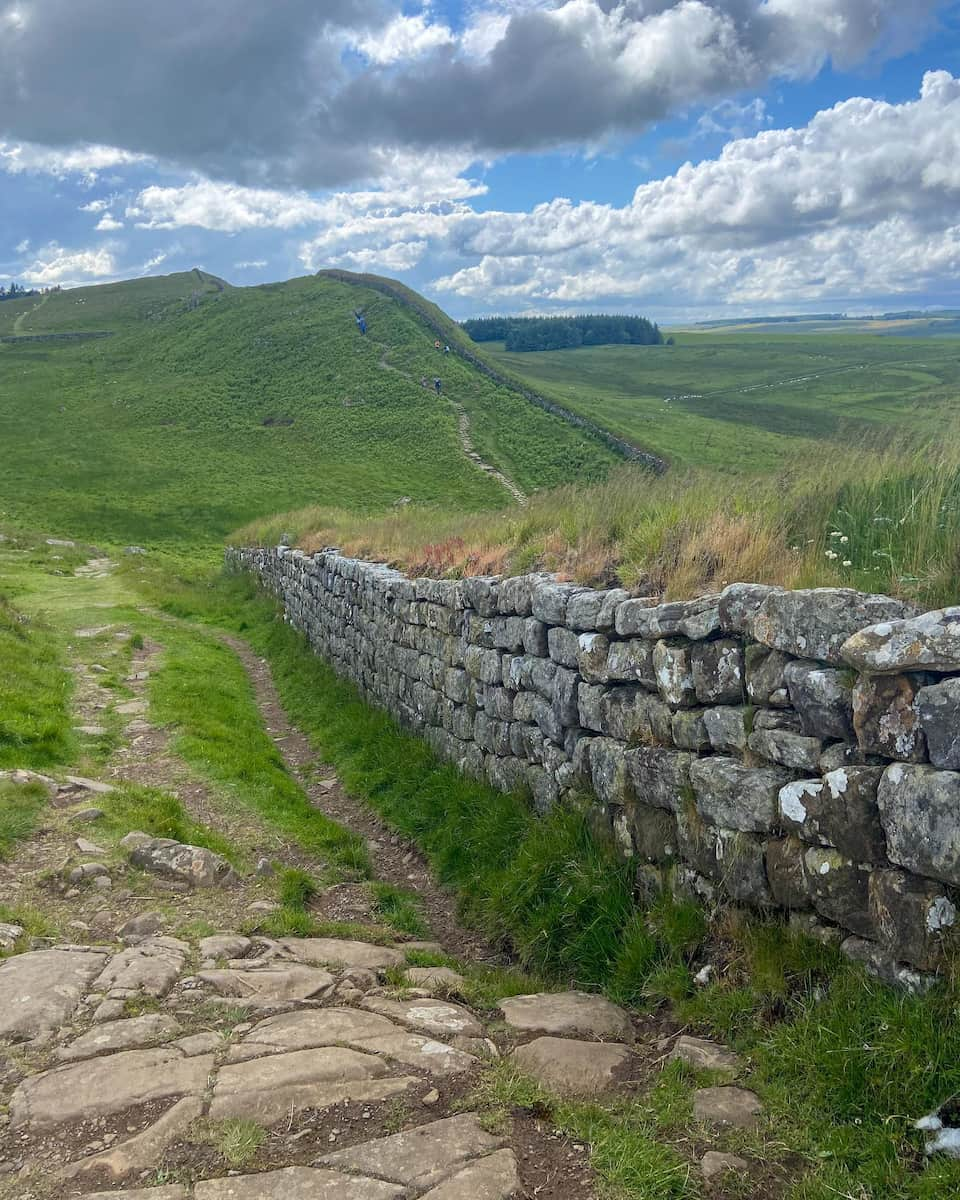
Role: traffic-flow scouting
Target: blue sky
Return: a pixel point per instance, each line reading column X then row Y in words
column 680, row 158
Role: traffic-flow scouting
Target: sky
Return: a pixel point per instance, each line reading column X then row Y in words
column 683, row 159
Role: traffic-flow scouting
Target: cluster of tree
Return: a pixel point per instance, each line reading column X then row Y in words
column 16, row 292
column 563, row 333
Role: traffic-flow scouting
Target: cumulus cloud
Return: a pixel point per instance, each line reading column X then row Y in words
column 85, row 161
column 253, row 264
column 56, row 265
column 308, row 94
column 108, row 223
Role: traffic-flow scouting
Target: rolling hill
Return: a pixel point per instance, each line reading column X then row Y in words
column 207, row 405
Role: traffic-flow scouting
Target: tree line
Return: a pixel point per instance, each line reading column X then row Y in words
column 16, row 292
column 563, row 333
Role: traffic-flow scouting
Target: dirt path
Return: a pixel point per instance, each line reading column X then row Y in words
column 464, row 434
column 18, row 323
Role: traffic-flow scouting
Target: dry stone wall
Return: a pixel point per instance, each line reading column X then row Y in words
column 792, row 750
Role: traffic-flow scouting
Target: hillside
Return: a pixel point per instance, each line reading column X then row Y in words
column 209, row 405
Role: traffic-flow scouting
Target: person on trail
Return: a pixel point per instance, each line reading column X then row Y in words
column 446, row 349
column 436, row 344
column 436, row 385
column 361, row 320
column 424, row 381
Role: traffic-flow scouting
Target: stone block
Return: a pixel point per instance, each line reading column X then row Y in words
column 739, row 604
column 565, row 687
column 549, row 601
column 608, row 768
column 914, row 918
column 563, row 646
column 784, row 861
column 653, row 832
column 929, row 642
column 733, row 796
column 786, row 719
column 718, row 671
column 592, row 653
column 939, row 708
column 535, row 637
column 689, row 731
column 594, row 610
column 822, row 696
column 791, row 750
column 886, row 716
column 480, row 593
column 589, row 705
column 920, row 814
column 726, row 728
column 661, row 778
column 633, row 715
column 674, row 674
column 838, row 889
column 631, row 662
column 515, row 595
column 839, row 810
column 764, row 673
column 817, row 622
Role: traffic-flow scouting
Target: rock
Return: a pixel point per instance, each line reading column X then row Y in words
column 816, row 622
column 268, row 984
column 442, row 978
column 838, row 810
column 726, row 728
column 886, row 716
column 140, row 1153
column 706, row 1056
column 199, row 1043
column 9, row 935
column 930, row 642
column 269, row 1089
column 567, row 1014
column 660, row 777
column 87, row 872
column 92, row 730
column 733, row 796
column 86, row 847
column 689, row 731
column 414, row 1050
column 20, row 776
column 225, row 945
column 792, row 750
column 297, row 1183
column 309, row 1028
column 837, row 888
column 920, row 814
column 86, row 815
column 100, row 1087
column 421, row 1156
column 823, row 698
column 764, row 673
column 878, row 963
column 739, row 604
column 40, row 990
column 730, row 1107
column 89, row 785
column 142, row 926
column 718, row 671
column 494, row 1177
column 630, row 662
column 439, row 1018
column 150, row 968
column 171, row 1191
column 913, row 917
column 193, row 865
column 572, row 1068
column 714, row 1164
column 939, row 706
column 133, row 1033
column 339, row 952
column 674, row 674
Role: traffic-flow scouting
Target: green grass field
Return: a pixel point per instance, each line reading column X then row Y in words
column 209, row 406
column 753, row 400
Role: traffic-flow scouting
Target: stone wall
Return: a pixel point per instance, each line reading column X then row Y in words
column 783, row 750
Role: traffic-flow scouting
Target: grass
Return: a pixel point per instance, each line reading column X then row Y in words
column 884, row 520
column 34, row 693
column 20, row 809
column 236, row 1140
column 159, row 813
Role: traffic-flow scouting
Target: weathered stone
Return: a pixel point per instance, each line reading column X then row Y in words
column 839, row 810
column 878, row 963
column 689, row 731
column 791, row 750
column 592, row 653
column 788, row 884
column 421, row 1156
column 270, row 983
column 816, row 622
column 939, row 709
column 194, row 865
column 564, row 646
column 764, row 668
column 706, row 1056
column 549, row 601
column 139, row 1153
column 340, row 952
column 913, row 917
column 739, row 604
column 515, row 595
column 886, row 716
column 930, row 642
column 100, row 1087
column 172, row 1191
column 665, row 620
column 845, row 754
column 838, row 889
column 823, row 698
column 718, row 672
column 730, row 1107
column 309, row 1028
column 631, row 662
column 572, row 1068
column 224, row 945
column 660, row 777
column 784, row 719
column 143, row 926
column 652, row 833
column 674, row 674
column 610, row 775
column 594, row 610
column 726, row 728
column 133, row 1033
column 567, row 1014
column 423, row 1053
column 439, row 1018
column 9, row 935
column 631, row 714
column 493, row 1177
column 920, row 814
column 40, row 990
column 433, row 977
column 269, row 1089
column 702, row 624
column 480, row 593
column 715, row 1164
column 733, row 796
column 151, row 968
column 295, row 1183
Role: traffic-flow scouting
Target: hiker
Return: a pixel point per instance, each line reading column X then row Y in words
column 446, row 349
column 360, row 319
column 436, row 385
column 424, row 381
column 436, row 344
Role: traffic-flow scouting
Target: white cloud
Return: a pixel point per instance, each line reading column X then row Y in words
column 95, row 206
column 17, row 158
column 404, row 38
column 24, row 246
column 160, row 257
column 55, row 265
column 399, row 256
column 108, row 223
column 255, row 264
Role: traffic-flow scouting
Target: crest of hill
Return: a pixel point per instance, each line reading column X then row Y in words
column 210, row 405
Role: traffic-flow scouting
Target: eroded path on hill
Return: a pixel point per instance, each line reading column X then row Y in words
column 464, row 433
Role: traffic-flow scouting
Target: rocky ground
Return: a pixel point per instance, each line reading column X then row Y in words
column 154, row 1046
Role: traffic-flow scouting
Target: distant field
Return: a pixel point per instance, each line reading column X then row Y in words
column 741, row 401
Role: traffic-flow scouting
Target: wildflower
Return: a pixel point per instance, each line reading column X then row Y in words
column 831, row 554
column 847, row 562
column 835, row 533
column 844, row 540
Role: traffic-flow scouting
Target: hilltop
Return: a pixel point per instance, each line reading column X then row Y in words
column 199, row 405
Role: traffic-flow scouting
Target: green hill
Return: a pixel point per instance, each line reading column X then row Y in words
column 210, row 405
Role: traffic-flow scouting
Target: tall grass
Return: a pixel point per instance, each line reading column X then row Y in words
column 880, row 519
column 35, row 728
